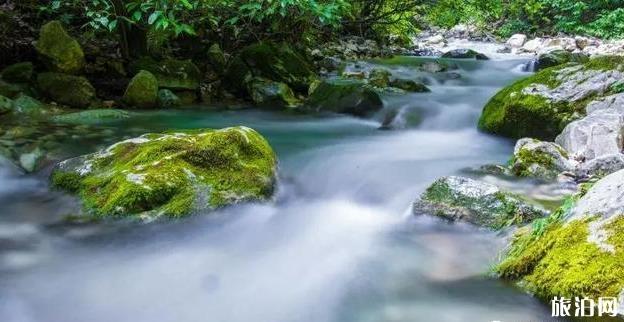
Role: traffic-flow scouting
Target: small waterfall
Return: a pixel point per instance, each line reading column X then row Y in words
column 530, row 66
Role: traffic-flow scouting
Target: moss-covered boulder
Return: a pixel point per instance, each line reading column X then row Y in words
column 535, row 158
column 27, row 105
column 464, row 54
column 74, row 91
column 142, row 91
column 173, row 174
column 279, row 63
column 10, row 90
column 18, row 73
column 576, row 252
column 559, row 57
column 345, row 96
column 167, row 98
column 476, row 202
column 171, row 73
column 540, row 106
column 379, row 77
column 58, row 50
column 270, row 94
column 96, row 116
column 409, row 85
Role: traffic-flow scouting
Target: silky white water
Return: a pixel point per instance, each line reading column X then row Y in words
column 337, row 244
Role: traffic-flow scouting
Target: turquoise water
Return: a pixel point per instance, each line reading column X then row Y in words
column 337, row 244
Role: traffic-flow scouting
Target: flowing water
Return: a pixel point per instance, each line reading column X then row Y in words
column 337, row 244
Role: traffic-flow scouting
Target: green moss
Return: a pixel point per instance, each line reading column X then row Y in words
column 345, row 96
column 605, row 63
column 95, row 116
column 525, row 158
column 6, row 104
column 559, row 57
column 142, row 91
column 58, row 50
column 278, row 63
column 270, row 94
column 166, row 99
column 172, row 174
column 170, row 73
column 18, row 73
column 514, row 114
column 74, row 91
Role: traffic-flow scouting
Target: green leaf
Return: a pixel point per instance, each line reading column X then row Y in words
column 152, row 18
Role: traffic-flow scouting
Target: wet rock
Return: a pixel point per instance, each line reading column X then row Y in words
column 379, row 77
column 409, row 85
column 172, row 175
column 270, row 94
column 97, row 116
column 533, row 45
column 541, row 105
column 577, row 252
column 171, row 73
column 142, row 91
column 559, row 57
column 18, row 73
column 349, row 97
column 27, row 105
column 516, row 41
column 74, row 91
column 601, row 166
column 535, row 158
column 6, row 104
column 433, row 67
column 31, row 161
column 58, row 50
column 167, row 99
column 464, row 54
column 476, row 202
column 600, row 133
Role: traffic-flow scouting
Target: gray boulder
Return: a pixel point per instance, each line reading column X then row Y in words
column 601, row 166
column 600, row 133
column 535, row 158
column 476, row 202
column 612, row 102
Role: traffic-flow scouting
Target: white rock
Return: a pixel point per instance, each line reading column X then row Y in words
column 612, row 102
column 435, row 40
column 532, row 45
column 602, row 166
column 517, row 40
column 595, row 135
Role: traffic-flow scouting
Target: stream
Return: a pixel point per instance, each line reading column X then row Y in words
column 338, row 244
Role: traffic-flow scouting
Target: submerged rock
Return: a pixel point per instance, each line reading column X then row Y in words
column 58, row 50
column 349, row 97
column 535, row 158
column 464, row 54
column 270, row 94
column 379, row 77
column 173, row 174
column 409, row 85
column 92, row 116
column 541, row 105
column 578, row 251
column 18, row 73
column 74, row 91
column 27, row 105
column 142, row 91
column 476, row 202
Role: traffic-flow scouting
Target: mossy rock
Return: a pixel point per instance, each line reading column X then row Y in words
column 345, row 96
column 270, row 94
column 18, row 73
column 535, row 158
column 96, row 116
column 11, row 90
column 409, row 85
column 379, row 77
column 576, row 252
column 73, row 91
column 172, row 174
column 559, row 57
column 216, row 58
column 279, row 63
column 58, row 50
column 171, row 73
column 142, row 91
column 479, row 203
column 541, row 105
column 27, row 105
column 6, row 104
column 464, row 54
column 167, row 99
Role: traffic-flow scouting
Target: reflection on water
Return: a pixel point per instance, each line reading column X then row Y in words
column 336, row 245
